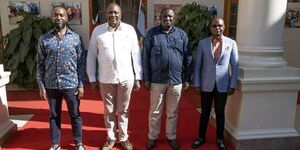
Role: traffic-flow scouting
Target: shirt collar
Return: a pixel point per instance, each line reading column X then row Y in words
column 215, row 40
column 172, row 29
column 111, row 29
column 67, row 32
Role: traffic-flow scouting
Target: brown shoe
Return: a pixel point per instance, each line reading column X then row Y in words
column 127, row 145
column 108, row 145
column 174, row 144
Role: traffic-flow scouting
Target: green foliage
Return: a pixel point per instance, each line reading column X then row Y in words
column 20, row 49
column 194, row 20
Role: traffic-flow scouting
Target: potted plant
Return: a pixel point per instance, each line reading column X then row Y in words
column 20, row 49
column 194, row 19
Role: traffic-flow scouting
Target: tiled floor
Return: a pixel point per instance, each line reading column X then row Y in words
column 20, row 120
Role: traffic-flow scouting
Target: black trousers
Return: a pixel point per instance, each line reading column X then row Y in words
column 206, row 104
column 55, row 97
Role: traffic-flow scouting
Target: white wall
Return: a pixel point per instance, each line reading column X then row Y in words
column 291, row 38
column 219, row 4
column 291, row 42
column 45, row 10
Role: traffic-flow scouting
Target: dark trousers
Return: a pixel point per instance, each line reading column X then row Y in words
column 206, row 104
column 55, row 97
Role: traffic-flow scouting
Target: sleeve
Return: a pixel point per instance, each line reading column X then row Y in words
column 41, row 57
column 198, row 62
column 136, row 56
column 146, row 58
column 234, row 62
column 81, row 60
column 92, row 57
column 187, row 59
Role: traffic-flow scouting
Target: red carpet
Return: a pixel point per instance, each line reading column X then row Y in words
column 35, row 134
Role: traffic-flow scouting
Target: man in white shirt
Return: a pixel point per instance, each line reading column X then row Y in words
column 115, row 46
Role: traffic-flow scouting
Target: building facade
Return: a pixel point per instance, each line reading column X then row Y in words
column 264, row 110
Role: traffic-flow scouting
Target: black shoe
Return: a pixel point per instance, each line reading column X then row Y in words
column 221, row 144
column 150, row 144
column 174, row 144
column 198, row 143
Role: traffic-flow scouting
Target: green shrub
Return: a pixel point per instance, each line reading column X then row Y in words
column 194, row 20
column 20, row 49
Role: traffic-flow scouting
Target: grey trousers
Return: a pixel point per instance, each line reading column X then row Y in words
column 161, row 93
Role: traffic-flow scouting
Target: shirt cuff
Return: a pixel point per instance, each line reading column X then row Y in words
column 92, row 78
column 138, row 77
column 80, row 85
column 41, row 85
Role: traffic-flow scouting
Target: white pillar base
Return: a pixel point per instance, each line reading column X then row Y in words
column 6, row 131
column 262, row 133
column 261, row 57
column 264, row 105
column 7, row 127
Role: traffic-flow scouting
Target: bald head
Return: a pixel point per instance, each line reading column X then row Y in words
column 110, row 5
column 113, row 15
column 217, row 19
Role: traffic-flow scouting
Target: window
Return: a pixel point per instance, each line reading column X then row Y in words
column 129, row 10
column 230, row 17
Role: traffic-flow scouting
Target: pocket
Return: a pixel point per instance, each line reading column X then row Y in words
column 125, row 44
column 156, row 50
column 178, row 45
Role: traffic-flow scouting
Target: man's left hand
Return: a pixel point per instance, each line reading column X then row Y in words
column 185, row 86
column 80, row 92
column 136, row 85
column 230, row 91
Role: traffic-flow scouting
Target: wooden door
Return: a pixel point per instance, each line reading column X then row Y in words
column 230, row 17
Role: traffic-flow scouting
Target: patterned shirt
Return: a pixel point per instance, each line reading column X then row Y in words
column 61, row 62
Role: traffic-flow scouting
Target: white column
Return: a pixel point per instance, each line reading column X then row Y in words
column 264, row 105
column 7, row 127
column 259, row 32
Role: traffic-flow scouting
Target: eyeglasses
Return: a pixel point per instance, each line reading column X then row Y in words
column 219, row 25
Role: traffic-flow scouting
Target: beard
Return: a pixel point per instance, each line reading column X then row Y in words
column 59, row 26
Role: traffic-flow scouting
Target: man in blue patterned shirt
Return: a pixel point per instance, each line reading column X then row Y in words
column 61, row 69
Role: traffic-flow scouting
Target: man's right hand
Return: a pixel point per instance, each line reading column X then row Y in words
column 147, row 85
column 43, row 94
column 198, row 90
column 94, row 86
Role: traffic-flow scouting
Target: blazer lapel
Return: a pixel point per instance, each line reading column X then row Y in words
column 210, row 48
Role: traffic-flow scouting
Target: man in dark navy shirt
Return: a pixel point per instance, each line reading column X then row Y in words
column 166, row 65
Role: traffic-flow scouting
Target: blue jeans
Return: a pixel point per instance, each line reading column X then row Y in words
column 55, row 97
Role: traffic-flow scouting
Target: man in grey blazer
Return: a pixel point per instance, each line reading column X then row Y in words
column 214, row 79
